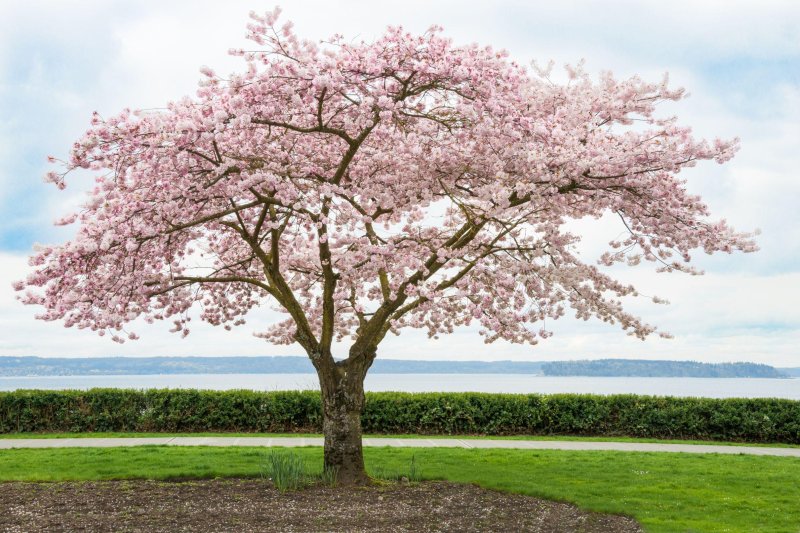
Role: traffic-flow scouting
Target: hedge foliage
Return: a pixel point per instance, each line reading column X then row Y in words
column 188, row 410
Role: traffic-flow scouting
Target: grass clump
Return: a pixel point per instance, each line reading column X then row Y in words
column 412, row 473
column 328, row 476
column 285, row 469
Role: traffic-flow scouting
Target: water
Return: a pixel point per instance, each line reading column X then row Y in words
column 511, row 383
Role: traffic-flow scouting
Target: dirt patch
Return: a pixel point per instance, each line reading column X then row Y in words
column 254, row 505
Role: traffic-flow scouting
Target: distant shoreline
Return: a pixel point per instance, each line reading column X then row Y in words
column 146, row 366
column 313, row 375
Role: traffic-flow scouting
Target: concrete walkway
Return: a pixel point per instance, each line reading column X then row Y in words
column 399, row 443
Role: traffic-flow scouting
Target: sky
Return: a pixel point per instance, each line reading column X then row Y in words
column 60, row 60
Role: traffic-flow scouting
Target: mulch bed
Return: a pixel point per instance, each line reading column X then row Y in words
column 243, row 505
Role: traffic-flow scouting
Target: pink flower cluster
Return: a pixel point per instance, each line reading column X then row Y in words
column 366, row 187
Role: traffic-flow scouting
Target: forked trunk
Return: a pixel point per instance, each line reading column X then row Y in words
column 342, row 405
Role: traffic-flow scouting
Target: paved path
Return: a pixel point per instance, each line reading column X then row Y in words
column 399, row 443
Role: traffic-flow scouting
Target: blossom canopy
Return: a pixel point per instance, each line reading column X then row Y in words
column 367, row 187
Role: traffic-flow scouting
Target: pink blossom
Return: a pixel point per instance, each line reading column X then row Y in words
column 362, row 188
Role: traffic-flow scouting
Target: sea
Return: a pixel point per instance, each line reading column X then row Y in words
column 496, row 383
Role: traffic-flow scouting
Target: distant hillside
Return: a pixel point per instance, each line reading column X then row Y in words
column 104, row 366
column 87, row 366
column 398, row 366
column 791, row 372
column 639, row 368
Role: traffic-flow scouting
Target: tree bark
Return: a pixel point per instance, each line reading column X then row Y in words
column 342, row 405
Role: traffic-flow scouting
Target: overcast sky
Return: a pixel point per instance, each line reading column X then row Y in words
column 60, row 60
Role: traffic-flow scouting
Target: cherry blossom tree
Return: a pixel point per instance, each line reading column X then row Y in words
column 363, row 188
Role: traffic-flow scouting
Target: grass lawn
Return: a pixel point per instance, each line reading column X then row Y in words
column 665, row 492
column 405, row 436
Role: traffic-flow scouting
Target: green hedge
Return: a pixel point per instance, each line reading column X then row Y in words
column 187, row 410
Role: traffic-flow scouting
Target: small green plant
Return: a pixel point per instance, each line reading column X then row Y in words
column 414, row 472
column 379, row 472
column 328, row 476
column 285, row 469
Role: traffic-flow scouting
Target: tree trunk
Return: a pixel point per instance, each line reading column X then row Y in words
column 342, row 405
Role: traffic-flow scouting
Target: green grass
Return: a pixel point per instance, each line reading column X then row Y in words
column 405, row 436
column 665, row 492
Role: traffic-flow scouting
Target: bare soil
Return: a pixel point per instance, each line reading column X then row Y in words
column 243, row 505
